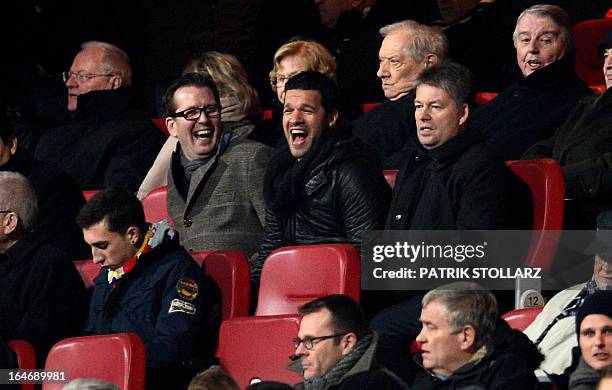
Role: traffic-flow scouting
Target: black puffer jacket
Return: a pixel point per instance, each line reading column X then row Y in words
column 334, row 194
column 507, row 363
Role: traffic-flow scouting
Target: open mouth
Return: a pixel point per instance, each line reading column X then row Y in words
column 298, row 136
column 533, row 64
column 601, row 356
column 204, row 133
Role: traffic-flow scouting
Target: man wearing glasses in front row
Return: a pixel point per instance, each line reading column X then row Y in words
column 334, row 348
column 108, row 142
column 215, row 178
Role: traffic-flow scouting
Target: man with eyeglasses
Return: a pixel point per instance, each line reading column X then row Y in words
column 335, row 350
column 108, row 142
column 215, row 178
column 42, row 297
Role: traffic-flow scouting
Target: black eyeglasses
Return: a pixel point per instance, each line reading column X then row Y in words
column 309, row 342
column 83, row 77
column 193, row 114
column 7, row 211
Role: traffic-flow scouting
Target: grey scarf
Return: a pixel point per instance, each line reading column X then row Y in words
column 336, row 374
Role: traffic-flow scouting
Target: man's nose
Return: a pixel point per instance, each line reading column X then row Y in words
column 533, row 46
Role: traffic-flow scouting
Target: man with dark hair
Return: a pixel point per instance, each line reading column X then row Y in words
column 215, row 177
column 335, row 349
column 109, row 142
column 148, row 285
column 450, row 179
column 59, row 197
column 463, row 345
column 322, row 185
column 42, row 297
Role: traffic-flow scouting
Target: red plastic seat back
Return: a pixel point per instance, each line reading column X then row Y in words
column 484, row 97
column 520, row 319
column 88, row 194
column 117, row 358
column 295, row 275
column 587, row 35
column 369, row 106
column 26, row 358
column 161, row 125
column 155, row 205
column 230, row 270
column 547, row 184
column 258, row 347
column 390, row 176
column 88, row 271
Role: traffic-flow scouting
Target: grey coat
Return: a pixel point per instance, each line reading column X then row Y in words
column 224, row 208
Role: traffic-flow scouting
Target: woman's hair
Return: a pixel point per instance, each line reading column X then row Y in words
column 229, row 75
column 315, row 55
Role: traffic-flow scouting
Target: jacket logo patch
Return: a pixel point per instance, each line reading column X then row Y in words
column 181, row 306
column 187, row 289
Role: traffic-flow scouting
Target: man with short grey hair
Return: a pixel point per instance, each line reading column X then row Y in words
column 407, row 49
column 463, row 345
column 109, row 142
column 42, row 297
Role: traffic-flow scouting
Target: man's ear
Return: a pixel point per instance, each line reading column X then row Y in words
column 332, row 118
column 348, row 342
column 116, row 82
column 134, row 234
column 171, row 126
column 468, row 337
column 464, row 113
column 13, row 145
column 10, row 221
column 431, row 59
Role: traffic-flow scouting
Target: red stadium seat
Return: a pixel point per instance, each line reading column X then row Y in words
column 520, row 319
column 155, row 205
column 369, row 106
column 117, row 358
column 390, row 176
column 161, row 125
column 295, row 275
column 88, row 194
column 258, row 347
column 484, row 97
column 230, row 270
column 88, row 271
column 587, row 35
column 545, row 180
column 26, row 358
column 266, row 115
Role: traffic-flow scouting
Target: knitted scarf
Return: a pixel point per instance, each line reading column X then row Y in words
column 286, row 177
column 334, row 376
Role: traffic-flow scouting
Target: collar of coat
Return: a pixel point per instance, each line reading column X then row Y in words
column 103, row 105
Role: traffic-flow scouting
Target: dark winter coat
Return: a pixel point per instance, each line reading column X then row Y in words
column 505, row 364
column 109, row 142
column 59, row 201
column 42, row 297
column 387, row 128
column 461, row 184
column 531, row 109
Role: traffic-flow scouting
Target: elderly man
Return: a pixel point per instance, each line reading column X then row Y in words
column 335, row 349
column 109, row 141
column 407, row 49
column 464, row 346
column 594, row 329
column 148, row 284
column 547, row 87
column 582, row 146
column 354, row 40
column 215, row 179
column 322, row 185
column 42, row 297
column 553, row 331
column 59, row 197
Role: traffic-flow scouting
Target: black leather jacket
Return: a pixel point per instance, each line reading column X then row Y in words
column 343, row 196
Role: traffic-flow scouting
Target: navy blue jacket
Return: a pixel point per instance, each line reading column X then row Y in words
column 162, row 300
